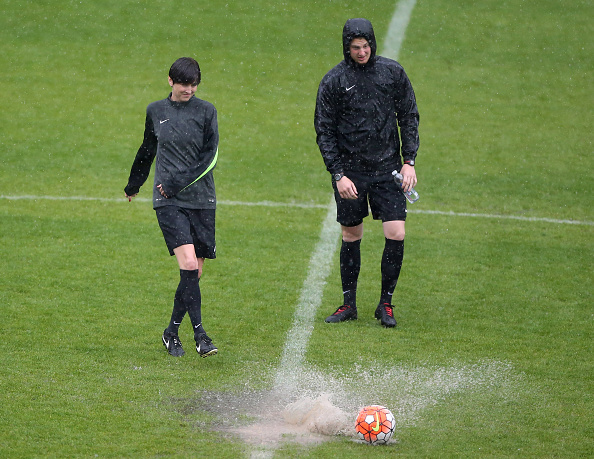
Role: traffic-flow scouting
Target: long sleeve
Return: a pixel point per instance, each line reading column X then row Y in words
column 326, row 128
column 408, row 118
column 143, row 160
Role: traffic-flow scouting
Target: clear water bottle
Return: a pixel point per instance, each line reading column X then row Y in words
column 411, row 195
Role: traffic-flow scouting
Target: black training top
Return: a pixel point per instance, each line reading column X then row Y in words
column 184, row 137
column 359, row 109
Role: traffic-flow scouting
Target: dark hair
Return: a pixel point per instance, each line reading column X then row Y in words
column 185, row 70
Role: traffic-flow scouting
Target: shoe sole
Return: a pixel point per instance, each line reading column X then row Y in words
column 334, row 319
column 207, row 354
column 338, row 321
column 385, row 324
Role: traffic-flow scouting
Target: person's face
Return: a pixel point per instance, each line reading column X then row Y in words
column 181, row 92
column 360, row 51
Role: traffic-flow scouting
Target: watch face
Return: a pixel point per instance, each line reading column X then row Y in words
column 337, row 177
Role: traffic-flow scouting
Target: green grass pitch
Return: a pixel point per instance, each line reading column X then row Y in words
column 492, row 356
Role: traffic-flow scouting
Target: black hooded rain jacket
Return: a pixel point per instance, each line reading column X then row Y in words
column 359, row 109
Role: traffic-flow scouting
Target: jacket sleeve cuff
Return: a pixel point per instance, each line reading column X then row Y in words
column 131, row 190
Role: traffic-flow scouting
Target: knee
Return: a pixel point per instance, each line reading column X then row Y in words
column 191, row 265
column 352, row 233
column 394, row 230
column 396, row 234
column 194, row 267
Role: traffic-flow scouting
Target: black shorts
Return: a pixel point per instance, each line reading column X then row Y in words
column 188, row 226
column 381, row 193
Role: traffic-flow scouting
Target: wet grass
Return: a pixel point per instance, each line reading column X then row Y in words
column 492, row 355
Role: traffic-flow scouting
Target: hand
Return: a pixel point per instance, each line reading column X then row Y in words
column 346, row 188
column 409, row 177
column 160, row 188
column 131, row 196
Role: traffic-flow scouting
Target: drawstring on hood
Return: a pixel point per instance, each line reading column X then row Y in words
column 358, row 28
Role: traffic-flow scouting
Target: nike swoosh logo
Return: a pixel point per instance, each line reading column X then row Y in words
column 348, row 89
column 377, row 424
column 163, row 121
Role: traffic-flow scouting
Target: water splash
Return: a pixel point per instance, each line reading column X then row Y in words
column 319, row 406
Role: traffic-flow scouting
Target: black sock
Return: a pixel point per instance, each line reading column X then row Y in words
column 179, row 307
column 350, row 265
column 391, row 264
column 192, row 298
column 187, row 298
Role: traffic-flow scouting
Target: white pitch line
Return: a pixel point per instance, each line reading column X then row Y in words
column 31, row 197
column 397, row 28
column 287, row 377
column 308, row 205
column 504, row 217
column 303, row 205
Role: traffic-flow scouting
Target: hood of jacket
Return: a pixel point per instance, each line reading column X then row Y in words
column 358, row 28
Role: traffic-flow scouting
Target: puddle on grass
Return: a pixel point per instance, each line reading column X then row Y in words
column 317, row 407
